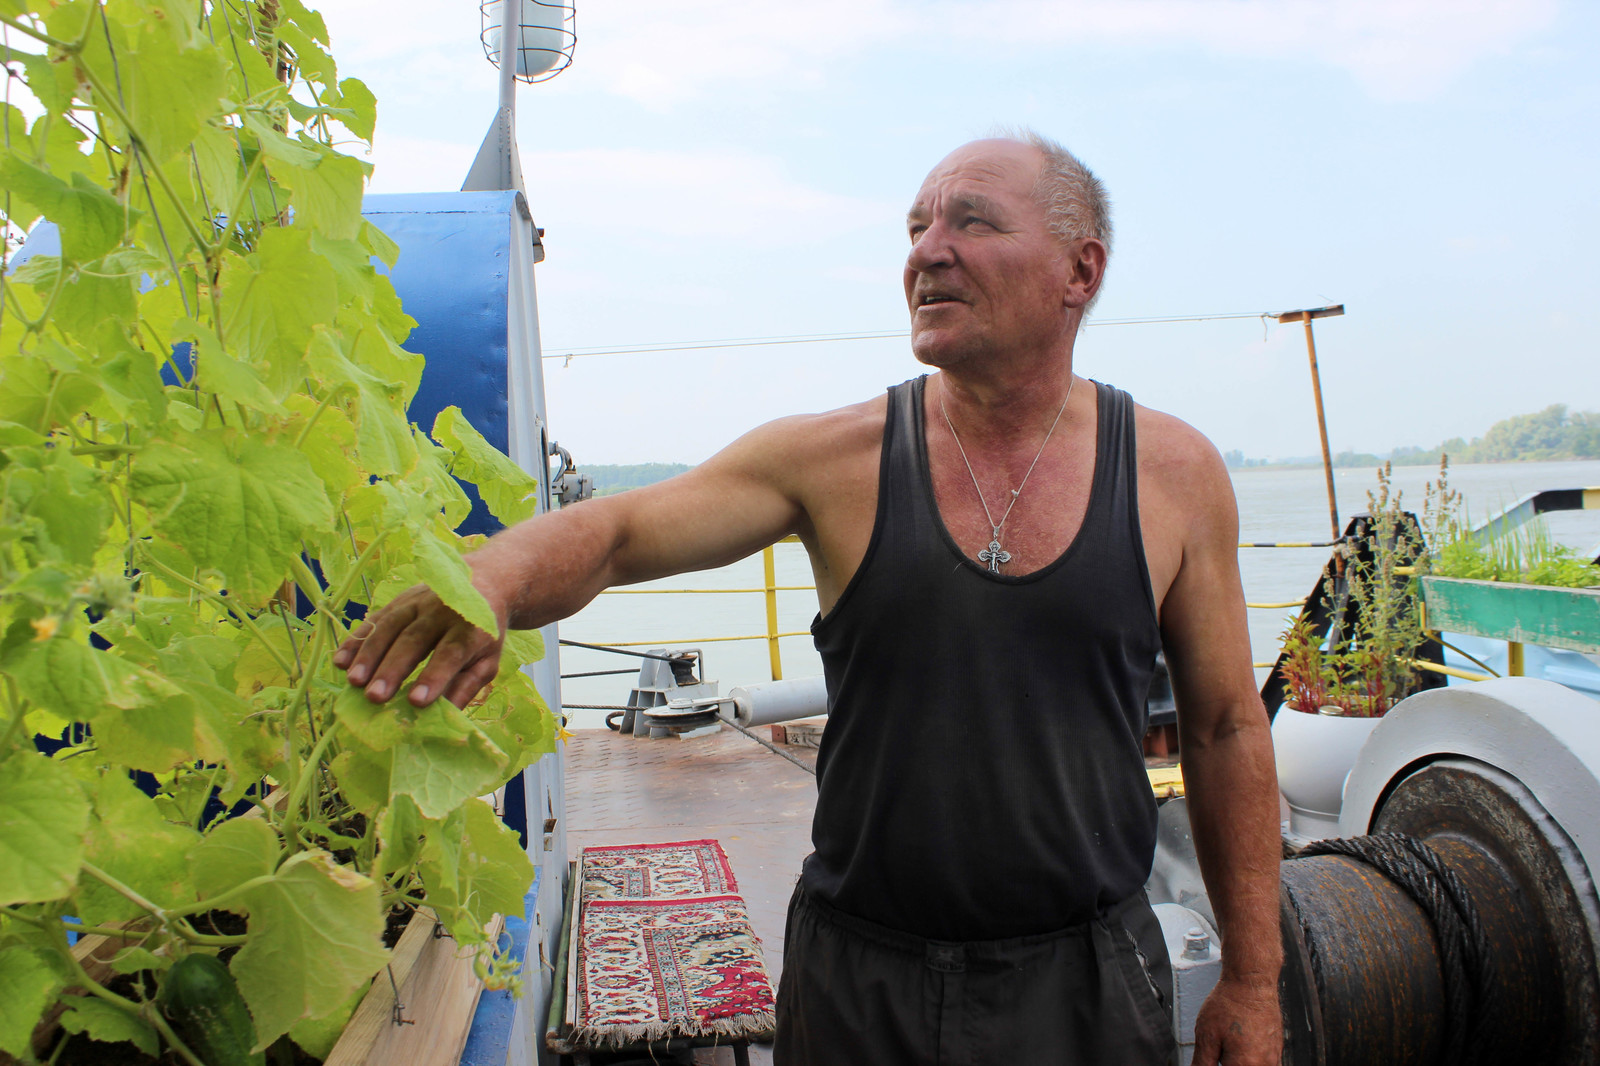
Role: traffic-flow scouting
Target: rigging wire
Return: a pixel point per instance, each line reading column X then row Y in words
column 821, row 338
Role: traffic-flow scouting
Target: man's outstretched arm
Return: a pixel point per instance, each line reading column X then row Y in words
column 1228, row 773
column 550, row 566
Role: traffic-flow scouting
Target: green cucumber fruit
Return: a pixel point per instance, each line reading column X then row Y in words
column 199, row 997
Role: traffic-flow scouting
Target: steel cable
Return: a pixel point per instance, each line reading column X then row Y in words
column 1467, row 965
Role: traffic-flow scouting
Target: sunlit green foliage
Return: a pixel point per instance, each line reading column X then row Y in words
column 155, row 536
column 1526, row 554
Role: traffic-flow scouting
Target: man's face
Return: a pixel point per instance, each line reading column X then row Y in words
column 985, row 275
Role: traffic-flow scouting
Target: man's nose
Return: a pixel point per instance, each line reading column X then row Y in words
column 932, row 249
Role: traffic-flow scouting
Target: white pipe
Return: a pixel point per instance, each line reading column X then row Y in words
column 778, row 701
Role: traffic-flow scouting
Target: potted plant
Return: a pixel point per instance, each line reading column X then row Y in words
column 1340, row 682
column 203, row 426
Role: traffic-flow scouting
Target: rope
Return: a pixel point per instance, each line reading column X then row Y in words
column 1467, row 966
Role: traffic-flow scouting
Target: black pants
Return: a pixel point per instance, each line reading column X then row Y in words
column 853, row 992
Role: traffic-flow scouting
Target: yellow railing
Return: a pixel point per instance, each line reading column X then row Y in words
column 770, row 588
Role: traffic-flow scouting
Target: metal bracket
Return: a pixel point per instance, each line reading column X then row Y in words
column 397, row 1013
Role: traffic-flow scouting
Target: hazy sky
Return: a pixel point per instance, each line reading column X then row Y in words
column 741, row 168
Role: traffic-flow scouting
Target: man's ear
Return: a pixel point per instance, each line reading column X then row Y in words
column 1086, row 263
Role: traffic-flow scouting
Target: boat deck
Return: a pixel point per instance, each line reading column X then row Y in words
column 622, row 790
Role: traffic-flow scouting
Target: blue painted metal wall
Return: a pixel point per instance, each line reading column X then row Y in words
column 453, row 276
column 465, row 274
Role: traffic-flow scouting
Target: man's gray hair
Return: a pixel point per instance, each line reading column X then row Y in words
column 1074, row 200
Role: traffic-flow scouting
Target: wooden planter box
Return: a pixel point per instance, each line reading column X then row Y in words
column 1523, row 614
column 438, row 993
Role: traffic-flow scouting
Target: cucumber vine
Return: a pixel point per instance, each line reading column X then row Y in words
column 203, row 425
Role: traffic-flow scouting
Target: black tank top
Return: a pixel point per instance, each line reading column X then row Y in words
column 982, row 774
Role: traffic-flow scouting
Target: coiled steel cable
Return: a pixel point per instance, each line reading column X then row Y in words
column 1467, row 965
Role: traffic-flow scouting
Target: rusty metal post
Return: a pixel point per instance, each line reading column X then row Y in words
column 769, row 570
column 1306, row 315
column 1322, row 429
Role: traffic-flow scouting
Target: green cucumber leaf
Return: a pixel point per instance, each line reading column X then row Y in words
column 356, row 98
column 318, row 1035
column 327, row 195
column 383, row 435
column 511, row 494
column 77, row 682
column 132, row 960
column 316, row 934
column 169, row 90
column 231, row 854
column 440, row 775
column 363, row 777
column 474, row 867
column 29, row 982
column 521, row 647
column 110, row 1025
column 90, row 219
column 43, row 816
column 273, row 299
column 130, row 840
column 445, row 572
column 378, row 726
column 240, row 504
column 401, row 830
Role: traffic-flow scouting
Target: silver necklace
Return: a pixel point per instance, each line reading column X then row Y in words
column 994, row 555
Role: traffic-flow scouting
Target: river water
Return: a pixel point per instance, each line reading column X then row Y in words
column 1274, row 505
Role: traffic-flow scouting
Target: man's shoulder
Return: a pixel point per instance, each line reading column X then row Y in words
column 793, row 448
column 1176, row 457
column 841, row 430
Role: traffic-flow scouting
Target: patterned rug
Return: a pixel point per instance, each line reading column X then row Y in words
column 658, row 871
column 658, row 967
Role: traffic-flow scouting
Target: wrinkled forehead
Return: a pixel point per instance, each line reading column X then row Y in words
column 983, row 169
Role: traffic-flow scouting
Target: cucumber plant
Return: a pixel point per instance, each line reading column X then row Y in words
column 203, row 424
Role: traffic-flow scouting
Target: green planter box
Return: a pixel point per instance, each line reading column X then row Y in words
column 1528, row 614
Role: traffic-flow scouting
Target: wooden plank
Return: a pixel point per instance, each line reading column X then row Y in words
column 1502, row 610
column 440, row 993
column 556, row 1031
column 376, row 1010
column 576, row 912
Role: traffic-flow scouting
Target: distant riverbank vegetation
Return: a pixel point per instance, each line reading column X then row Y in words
column 620, row 478
column 1551, row 435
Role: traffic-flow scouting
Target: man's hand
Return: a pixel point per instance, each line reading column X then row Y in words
column 1240, row 1024
column 416, row 625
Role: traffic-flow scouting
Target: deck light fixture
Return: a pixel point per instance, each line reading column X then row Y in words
column 543, row 40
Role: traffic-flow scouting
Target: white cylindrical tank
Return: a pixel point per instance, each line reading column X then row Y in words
column 544, row 40
column 779, row 701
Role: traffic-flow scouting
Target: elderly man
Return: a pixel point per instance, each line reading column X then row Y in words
column 999, row 555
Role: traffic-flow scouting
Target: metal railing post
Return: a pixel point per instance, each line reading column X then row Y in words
column 1514, row 658
column 770, row 571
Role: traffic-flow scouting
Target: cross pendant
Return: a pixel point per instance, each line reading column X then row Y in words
column 994, row 555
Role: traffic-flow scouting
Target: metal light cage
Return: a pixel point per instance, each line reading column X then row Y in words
column 564, row 34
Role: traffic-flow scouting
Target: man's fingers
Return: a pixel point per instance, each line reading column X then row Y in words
column 457, row 649
column 372, row 639
column 346, row 652
column 423, row 639
column 471, row 681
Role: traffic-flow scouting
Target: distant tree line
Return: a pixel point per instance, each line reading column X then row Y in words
column 1550, row 435
column 620, row 478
